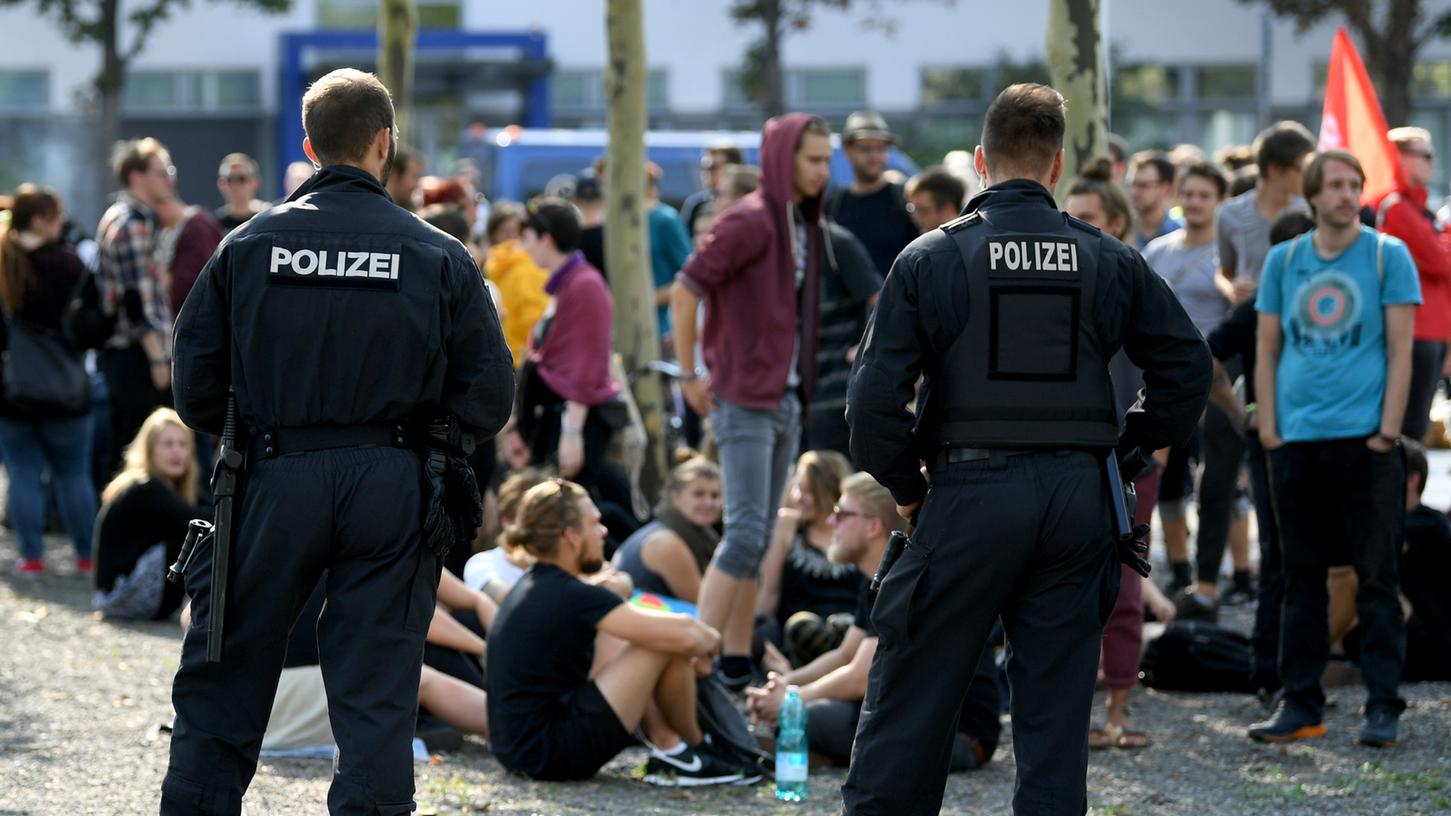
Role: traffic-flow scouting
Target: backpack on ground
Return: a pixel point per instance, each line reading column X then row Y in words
column 1198, row 656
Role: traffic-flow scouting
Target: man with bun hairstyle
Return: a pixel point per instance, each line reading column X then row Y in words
column 562, row 712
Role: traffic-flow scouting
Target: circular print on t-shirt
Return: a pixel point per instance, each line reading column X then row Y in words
column 1328, row 307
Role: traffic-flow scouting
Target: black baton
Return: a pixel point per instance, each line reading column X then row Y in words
column 196, row 532
column 230, row 463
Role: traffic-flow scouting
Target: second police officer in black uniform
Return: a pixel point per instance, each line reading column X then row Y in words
column 1011, row 313
column 340, row 321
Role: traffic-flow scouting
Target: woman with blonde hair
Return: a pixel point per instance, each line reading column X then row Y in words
column 39, row 275
column 143, row 520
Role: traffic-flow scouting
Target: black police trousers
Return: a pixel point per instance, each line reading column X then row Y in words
column 1028, row 537
column 357, row 513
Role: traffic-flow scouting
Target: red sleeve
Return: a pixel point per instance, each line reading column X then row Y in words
column 194, row 247
column 734, row 240
column 1431, row 250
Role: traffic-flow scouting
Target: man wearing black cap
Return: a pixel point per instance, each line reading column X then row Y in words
column 873, row 207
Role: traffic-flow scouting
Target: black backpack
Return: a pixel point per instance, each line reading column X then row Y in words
column 730, row 731
column 1198, row 656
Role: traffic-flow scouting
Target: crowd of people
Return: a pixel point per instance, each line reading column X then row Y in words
column 1330, row 340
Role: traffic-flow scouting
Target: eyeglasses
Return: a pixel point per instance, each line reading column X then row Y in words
column 169, row 171
column 1423, row 154
column 843, row 514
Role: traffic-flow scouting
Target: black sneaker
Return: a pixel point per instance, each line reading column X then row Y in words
column 1380, row 728
column 1289, row 724
column 1237, row 596
column 750, row 769
column 692, row 767
column 1189, row 606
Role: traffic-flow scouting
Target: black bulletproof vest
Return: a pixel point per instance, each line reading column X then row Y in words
column 1029, row 369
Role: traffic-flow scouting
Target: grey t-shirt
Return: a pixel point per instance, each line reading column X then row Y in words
column 1190, row 271
column 1244, row 234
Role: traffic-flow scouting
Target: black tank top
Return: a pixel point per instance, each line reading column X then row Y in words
column 811, row 583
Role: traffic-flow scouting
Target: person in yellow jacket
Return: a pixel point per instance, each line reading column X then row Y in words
column 520, row 281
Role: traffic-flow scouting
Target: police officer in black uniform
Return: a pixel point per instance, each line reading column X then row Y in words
column 1011, row 313
column 340, row 321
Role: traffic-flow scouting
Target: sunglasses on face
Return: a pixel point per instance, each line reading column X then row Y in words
column 236, row 179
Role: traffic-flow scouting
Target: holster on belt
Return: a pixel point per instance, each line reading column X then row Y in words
column 896, row 545
column 453, row 509
column 1129, row 540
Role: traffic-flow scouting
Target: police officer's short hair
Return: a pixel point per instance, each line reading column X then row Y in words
column 1024, row 127
column 134, row 156
column 1283, row 145
column 342, row 112
column 1157, row 159
column 237, row 159
column 944, row 188
column 556, row 218
column 1206, row 170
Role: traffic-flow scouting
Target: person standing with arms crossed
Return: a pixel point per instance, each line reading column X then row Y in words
column 339, row 321
column 1012, row 313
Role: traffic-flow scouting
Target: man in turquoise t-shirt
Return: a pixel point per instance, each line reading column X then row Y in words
column 1336, row 308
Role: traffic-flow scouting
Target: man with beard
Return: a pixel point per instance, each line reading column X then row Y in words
column 833, row 685
column 574, row 671
column 1333, row 371
column 873, row 208
column 352, row 320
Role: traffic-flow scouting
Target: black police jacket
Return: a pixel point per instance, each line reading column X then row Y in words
column 923, row 309
column 340, row 308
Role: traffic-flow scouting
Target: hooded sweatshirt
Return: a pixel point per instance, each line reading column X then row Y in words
column 745, row 272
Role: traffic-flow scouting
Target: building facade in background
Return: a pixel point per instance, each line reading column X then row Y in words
column 215, row 78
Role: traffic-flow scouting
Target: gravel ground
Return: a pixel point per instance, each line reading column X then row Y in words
column 81, row 702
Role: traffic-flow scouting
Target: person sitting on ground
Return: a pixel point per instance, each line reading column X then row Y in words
column 669, row 555
column 495, row 571
column 562, row 712
column 1425, row 577
column 144, row 516
column 806, row 599
column 834, row 685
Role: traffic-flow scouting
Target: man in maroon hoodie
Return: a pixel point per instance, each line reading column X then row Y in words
column 1403, row 214
column 758, row 273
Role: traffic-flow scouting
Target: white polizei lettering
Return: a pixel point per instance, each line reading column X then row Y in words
column 323, row 270
column 1064, row 261
column 994, row 254
column 1013, row 255
column 1073, row 252
column 355, row 264
column 281, row 256
column 395, row 266
column 377, row 265
column 301, row 256
column 1047, row 261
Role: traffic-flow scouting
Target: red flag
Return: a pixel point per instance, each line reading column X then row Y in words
column 1353, row 121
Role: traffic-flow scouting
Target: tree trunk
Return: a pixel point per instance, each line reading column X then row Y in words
column 397, row 35
column 773, row 81
column 1390, row 56
column 1075, row 62
column 109, row 84
column 637, row 335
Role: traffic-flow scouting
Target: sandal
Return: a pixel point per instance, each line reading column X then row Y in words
column 1098, row 739
column 1118, row 736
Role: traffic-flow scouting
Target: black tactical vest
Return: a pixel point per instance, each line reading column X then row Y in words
column 1028, row 369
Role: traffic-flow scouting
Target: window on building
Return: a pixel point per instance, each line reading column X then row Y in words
column 805, row 88
column 572, row 89
column 154, row 91
column 1228, row 81
column 24, row 90
column 945, row 86
column 364, row 14
column 1431, row 79
column 1147, row 85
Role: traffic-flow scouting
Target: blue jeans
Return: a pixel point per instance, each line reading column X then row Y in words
column 757, row 450
column 61, row 447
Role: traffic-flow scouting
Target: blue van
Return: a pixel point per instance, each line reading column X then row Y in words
column 516, row 164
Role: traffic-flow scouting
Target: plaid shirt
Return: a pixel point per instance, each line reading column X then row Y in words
column 133, row 285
